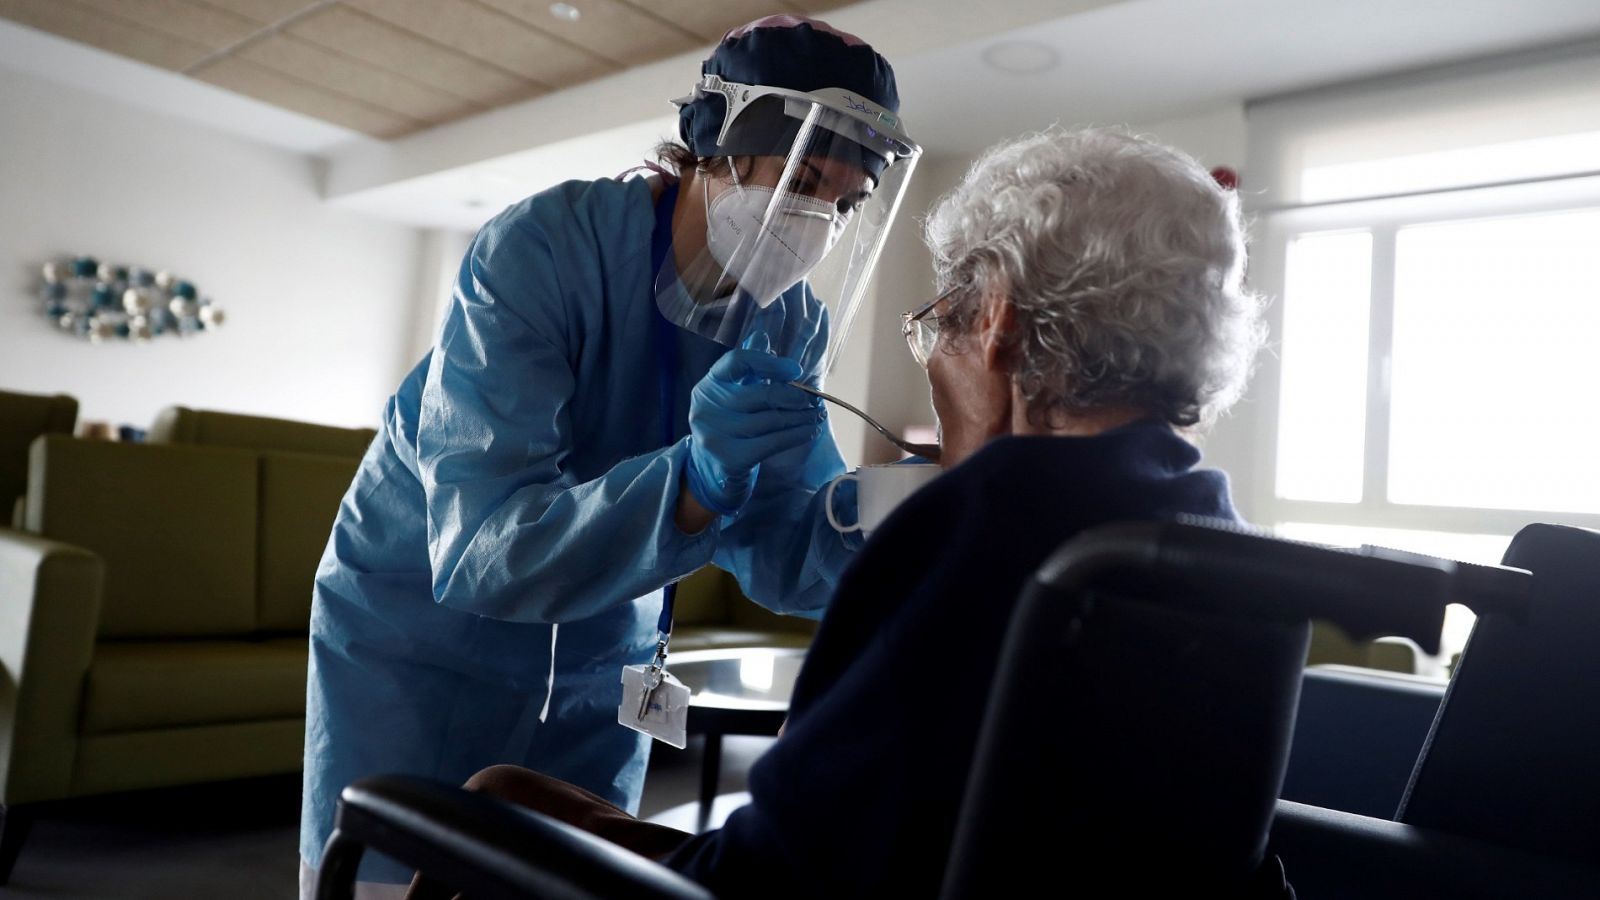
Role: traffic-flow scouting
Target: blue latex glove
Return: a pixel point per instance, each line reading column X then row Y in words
column 741, row 413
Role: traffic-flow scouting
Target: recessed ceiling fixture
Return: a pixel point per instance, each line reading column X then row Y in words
column 1021, row 57
column 566, row 12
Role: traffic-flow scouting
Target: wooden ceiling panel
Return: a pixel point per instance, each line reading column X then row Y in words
column 492, row 36
column 264, row 84
column 711, row 20
column 88, row 26
column 264, row 11
column 383, row 45
column 339, row 74
column 612, row 29
column 206, row 25
column 393, row 67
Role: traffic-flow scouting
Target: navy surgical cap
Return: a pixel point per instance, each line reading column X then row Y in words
column 793, row 52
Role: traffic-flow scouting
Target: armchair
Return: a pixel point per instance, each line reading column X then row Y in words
column 156, row 609
column 1504, row 797
column 1357, row 734
column 1523, row 714
column 1178, row 647
column 24, row 417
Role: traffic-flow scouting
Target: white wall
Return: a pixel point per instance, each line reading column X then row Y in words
column 1217, row 137
column 875, row 370
column 320, row 303
column 438, row 263
column 898, row 393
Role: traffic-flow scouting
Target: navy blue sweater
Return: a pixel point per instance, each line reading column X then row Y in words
column 860, row 795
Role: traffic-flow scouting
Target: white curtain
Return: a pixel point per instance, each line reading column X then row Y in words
column 1517, row 118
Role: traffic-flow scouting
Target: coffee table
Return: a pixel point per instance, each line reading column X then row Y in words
column 743, row 690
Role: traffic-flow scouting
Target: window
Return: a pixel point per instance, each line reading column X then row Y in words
column 1434, row 245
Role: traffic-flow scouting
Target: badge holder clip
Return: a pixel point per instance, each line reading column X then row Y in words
column 654, row 701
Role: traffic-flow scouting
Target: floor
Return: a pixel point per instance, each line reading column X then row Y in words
column 239, row 840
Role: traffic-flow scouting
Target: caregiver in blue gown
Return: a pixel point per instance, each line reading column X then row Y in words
column 575, row 442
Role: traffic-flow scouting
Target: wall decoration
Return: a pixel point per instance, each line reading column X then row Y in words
column 100, row 301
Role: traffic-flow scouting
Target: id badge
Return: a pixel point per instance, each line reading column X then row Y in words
column 655, row 702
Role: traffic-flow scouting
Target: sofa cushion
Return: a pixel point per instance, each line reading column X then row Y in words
column 702, row 598
column 133, row 760
column 1330, row 646
column 300, row 496
column 181, row 425
column 746, row 613
column 176, row 527
column 143, row 685
column 699, row 638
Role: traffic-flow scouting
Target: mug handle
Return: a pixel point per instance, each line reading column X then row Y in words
column 827, row 504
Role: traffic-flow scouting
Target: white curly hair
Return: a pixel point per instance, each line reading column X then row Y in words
column 1124, row 261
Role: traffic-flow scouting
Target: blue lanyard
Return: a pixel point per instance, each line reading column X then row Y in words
column 666, row 346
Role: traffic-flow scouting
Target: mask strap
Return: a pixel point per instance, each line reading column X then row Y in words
column 705, row 185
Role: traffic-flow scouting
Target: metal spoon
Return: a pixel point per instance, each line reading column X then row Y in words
column 926, row 451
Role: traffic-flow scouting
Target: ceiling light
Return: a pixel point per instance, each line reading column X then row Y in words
column 566, row 12
column 1021, row 57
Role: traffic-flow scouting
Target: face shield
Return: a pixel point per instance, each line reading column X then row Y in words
column 806, row 190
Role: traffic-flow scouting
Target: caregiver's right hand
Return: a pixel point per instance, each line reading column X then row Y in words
column 741, row 413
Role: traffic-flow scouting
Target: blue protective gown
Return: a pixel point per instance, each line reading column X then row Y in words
column 499, row 556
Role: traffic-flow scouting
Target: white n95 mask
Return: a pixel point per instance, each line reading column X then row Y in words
column 769, row 243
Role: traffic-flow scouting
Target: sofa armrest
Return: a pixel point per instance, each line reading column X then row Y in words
column 49, row 610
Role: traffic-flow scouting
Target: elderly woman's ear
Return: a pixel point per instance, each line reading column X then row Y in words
column 992, row 331
column 971, row 380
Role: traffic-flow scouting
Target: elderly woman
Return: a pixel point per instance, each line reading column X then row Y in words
column 1091, row 312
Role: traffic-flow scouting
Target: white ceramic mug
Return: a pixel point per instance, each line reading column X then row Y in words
column 879, row 489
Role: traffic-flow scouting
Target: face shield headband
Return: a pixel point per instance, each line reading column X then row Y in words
column 794, row 229
column 879, row 133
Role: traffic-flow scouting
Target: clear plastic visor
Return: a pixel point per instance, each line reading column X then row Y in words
column 803, row 202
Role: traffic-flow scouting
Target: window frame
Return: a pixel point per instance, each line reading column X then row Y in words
column 1383, row 218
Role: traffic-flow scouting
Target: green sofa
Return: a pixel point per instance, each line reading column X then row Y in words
column 711, row 613
column 24, row 417
column 155, row 604
column 155, row 615
column 211, row 428
column 1331, row 646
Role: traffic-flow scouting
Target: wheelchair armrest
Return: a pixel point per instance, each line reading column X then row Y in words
column 486, row 848
column 1328, row 853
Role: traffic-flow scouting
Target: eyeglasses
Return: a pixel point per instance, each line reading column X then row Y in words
column 921, row 330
